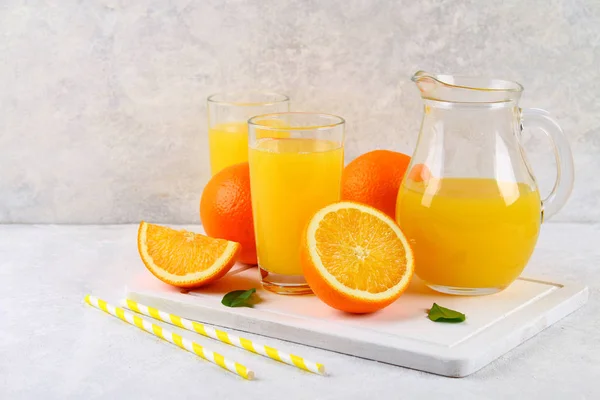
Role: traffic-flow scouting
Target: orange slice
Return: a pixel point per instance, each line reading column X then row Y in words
column 355, row 258
column 184, row 259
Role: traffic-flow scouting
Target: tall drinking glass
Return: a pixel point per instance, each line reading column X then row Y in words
column 228, row 115
column 296, row 162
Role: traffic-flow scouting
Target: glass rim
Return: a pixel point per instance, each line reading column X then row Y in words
column 340, row 121
column 215, row 98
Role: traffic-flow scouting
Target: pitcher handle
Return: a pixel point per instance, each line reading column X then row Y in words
column 535, row 117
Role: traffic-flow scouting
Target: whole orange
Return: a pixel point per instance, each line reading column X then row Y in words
column 374, row 179
column 226, row 209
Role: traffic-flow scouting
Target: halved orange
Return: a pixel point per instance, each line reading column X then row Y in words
column 355, row 258
column 182, row 258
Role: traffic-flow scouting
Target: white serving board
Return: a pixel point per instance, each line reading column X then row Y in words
column 400, row 334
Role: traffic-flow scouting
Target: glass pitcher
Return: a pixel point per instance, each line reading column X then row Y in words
column 469, row 203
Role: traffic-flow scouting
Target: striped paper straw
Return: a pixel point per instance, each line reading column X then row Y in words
column 171, row 337
column 226, row 337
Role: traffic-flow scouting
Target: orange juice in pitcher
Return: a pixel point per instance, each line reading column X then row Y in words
column 470, row 232
column 473, row 221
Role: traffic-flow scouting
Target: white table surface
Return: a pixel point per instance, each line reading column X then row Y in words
column 53, row 346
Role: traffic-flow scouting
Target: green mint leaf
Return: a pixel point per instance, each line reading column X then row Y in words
column 442, row 314
column 238, row 298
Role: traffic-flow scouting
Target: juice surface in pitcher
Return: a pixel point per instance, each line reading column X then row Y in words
column 469, row 232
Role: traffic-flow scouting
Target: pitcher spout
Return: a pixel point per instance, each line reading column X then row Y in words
column 464, row 89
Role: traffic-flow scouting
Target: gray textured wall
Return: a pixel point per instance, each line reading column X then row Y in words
column 102, row 103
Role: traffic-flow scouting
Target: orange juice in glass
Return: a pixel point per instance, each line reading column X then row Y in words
column 228, row 114
column 296, row 162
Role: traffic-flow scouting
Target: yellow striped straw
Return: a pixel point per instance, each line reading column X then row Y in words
column 225, row 337
column 171, row 337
